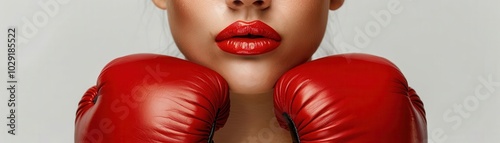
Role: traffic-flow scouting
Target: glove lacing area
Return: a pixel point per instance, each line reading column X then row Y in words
column 292, row 128
column 212, row 130
column 87, row 101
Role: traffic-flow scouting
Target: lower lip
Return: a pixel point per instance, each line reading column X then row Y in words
column 248, row 46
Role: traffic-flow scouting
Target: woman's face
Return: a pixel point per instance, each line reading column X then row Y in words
column 269, row 37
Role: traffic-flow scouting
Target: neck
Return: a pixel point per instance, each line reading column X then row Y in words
column 251, row 105
column 251, row 119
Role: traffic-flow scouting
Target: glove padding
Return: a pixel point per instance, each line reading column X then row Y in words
column 354, row 98
column 152, row 98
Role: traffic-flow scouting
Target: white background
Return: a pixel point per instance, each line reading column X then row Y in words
column 446, row 48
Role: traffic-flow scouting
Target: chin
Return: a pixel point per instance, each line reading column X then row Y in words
column 246, row 83
column 249, row 89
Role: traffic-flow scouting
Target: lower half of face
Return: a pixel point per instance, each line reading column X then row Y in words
column 195, row 25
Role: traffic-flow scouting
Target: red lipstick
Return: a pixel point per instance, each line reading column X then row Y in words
column 248, row 38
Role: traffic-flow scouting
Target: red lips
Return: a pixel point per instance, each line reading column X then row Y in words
column 248, row 38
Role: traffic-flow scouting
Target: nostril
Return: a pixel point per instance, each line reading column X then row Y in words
column 237, row 2
column 258, row 2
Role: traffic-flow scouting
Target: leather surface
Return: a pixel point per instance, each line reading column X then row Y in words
column 354, row 98
column 152, row 98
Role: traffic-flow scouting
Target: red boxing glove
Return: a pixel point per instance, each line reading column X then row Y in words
column 354, row 98
column 152, row 98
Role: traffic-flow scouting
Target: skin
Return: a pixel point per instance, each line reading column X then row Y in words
column 301, row 24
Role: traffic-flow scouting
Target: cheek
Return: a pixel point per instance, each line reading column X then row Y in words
column 308, row 19
column 303, row 27
column 192, row 26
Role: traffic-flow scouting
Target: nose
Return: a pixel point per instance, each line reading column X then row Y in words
column 239, row 4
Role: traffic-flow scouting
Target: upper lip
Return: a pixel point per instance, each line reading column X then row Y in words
column 252, row 29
